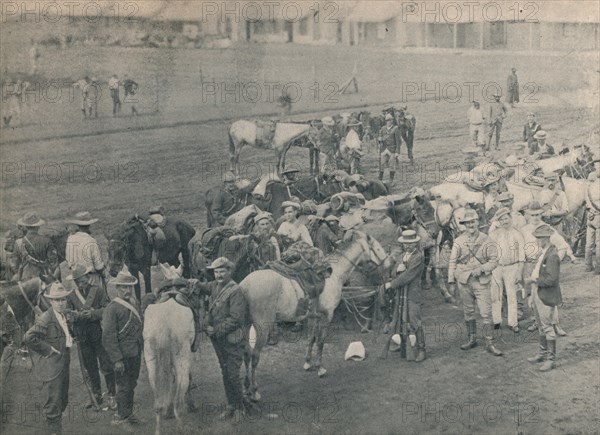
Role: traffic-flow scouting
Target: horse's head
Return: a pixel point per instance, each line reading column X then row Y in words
column 125, row 243
column 424, row 213
column 372, row 251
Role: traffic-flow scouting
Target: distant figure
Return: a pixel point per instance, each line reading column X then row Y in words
column 476, row 124
column 15, row 104
column 512, row 84
column 34, row 55
column 131, row 88
column 529, row 132
column 86, row 96
column 497, row 114
column 407, row 124
column 113, row 86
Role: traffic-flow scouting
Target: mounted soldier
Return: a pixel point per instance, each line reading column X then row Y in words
column 225, row 202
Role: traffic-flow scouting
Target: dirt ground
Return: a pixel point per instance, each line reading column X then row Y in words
column 118, row 174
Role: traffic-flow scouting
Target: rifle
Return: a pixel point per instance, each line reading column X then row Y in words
column 86, row 377
column 386, row 345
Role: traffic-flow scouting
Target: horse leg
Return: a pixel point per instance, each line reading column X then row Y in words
column 182, row 375
column 311, row 161
column 147, row 278
column 309, row 349
column 185, row 256
column 322, row 333
column 151, row 365
column 262, row 333
column 135, row 272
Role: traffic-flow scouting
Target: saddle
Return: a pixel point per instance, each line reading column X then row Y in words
column 303, row 273
column 211, row 240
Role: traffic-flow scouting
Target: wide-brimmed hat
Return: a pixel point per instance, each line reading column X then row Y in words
column 543, row 230
column 513, row 69
column 172, row 282
column 503, row 211
column 156, row 209
column 535, row 208
column 505, row 196
column 124, row 278
column 389, row 116
column 540, row 135
column 31, row 219
column 353, row 122
column 57, row 291
column 78, row 271
column 328, row 120
column 408, row 236
column 530, row 114
column 229, row 177
column 496, row 95
column 83, row 218
column 331, row 218
column 518, row 146
column 221, row 263
column 490, row 180
column 356, row 351
column 263, row 215
column 294, row 204
column 290, row 171
column 469, row 216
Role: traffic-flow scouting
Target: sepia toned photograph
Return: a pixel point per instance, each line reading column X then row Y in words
column 299, row 217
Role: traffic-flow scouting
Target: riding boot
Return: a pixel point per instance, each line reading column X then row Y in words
column 491, row 348
column 421, row 355
column 198, row 332
column 392, row 175
column 550, row 357
column 380, row 175
column 541, row 356
column 472, row 333
column 559, row 331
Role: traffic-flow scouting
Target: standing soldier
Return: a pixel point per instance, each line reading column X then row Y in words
column 497, row 114
column 407, row 275
column 472, row 260
column 328, row 144
column 389, row 141
column 34, row 55
column 89, row 301
column 529, row 132
column 509, row 273
column 15, row 104
column 407, row 124
column 225, row 327
column 37, row 254
column 476, row 125
column 123, row 341
column 113, row 86
column 51, row 338
column 82, row 248
column 512, row 85
column 592, row 238
column 10, row 340
column 131, row 89
column 545, row 296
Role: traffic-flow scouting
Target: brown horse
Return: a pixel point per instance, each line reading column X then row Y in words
column 129, row 244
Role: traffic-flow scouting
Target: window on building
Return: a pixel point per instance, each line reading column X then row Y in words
column 569, row 30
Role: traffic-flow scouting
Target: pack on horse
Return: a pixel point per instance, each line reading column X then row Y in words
column 318, row 189
column 129, row 244
column 272, row 297
column 278, row 136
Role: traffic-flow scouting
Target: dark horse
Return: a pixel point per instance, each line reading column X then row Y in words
column 319, row 189
column 129, row 244
column 23, row 296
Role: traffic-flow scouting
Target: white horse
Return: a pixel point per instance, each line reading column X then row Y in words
column 168, row 337
column 272, row 297
column 276, row 136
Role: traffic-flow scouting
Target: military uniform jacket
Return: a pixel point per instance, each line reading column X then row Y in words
column 468, row 255
column 39, row 252
column 121, row 331
column 223, row 205
column 92, row 298
column 411, row 277
column 530, row 130
column 226, row 310
column 391, row 139
column 44, row 335
column 548, row 280
column 328, row 141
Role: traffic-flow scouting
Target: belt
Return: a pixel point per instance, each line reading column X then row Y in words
column 509, row 264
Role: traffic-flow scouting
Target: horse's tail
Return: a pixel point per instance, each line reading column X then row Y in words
column 231, row 144
column 161, row 372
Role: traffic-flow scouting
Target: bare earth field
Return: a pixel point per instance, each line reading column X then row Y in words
column 118, row 174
